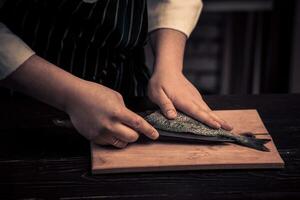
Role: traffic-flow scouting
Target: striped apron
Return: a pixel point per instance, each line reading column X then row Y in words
column 100, row 41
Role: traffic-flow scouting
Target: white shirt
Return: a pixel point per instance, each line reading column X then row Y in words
column 174, row 14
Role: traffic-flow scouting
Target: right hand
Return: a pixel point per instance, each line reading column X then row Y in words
column 97, row 112
column 100, row 115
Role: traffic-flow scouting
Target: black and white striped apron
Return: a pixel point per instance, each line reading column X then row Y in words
column 100, row 41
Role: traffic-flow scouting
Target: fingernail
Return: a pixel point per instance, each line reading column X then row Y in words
column 217, row 125
column 171, row 113
column 154, row 134
column 226, row 126
column 229, row 126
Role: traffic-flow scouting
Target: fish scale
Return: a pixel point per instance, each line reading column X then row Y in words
column 184, row 124
column 185, row 128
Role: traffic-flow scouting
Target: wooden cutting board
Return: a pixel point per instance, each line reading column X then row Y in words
column 167, row 156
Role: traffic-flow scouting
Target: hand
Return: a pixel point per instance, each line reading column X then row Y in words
column 97, row 112
column 100, row 115
column 170, row 90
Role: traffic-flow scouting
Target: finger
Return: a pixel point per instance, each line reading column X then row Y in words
column 125, row 133
column 223, row 123
column 138, row 124
column 165, row 104
column 117, row 143
column 106, row 138
column 199, row 114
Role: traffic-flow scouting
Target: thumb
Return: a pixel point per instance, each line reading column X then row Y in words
column 165, row 104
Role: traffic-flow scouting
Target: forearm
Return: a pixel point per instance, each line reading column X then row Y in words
column 168, row 46
column 44, row 81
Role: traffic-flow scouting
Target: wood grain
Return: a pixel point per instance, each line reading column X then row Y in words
column 169, row 156
column 39, row 161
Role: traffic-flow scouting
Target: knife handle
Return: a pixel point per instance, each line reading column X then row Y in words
column 64, row 123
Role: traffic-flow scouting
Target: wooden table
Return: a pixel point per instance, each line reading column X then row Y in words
column 38, row 160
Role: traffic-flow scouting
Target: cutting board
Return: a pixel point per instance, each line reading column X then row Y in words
column 169, row 156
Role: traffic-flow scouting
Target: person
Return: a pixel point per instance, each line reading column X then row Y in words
column 84, row 56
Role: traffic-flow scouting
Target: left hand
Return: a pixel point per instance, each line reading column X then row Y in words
column 171, row 90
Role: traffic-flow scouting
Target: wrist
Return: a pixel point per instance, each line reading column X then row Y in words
column 168, row 68
column 72, row 93
column 168, row 46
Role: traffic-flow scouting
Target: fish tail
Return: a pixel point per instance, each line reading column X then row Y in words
column 249, row 140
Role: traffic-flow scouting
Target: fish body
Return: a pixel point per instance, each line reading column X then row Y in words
column 183, row 124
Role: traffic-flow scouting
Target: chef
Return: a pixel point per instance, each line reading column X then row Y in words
column 84, row 56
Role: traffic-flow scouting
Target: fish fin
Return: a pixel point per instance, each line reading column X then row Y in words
column 255, row 143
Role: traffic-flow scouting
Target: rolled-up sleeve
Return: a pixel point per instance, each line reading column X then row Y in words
column 181, row 15
column 13, row 52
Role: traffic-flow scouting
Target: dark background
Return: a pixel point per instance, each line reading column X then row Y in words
column 245, row 47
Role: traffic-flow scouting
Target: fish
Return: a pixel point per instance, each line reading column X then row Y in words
column 185, row 126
